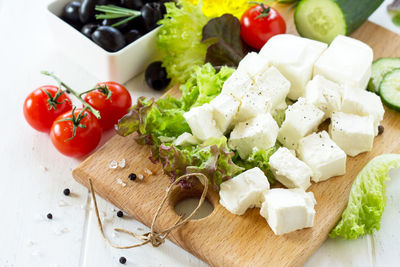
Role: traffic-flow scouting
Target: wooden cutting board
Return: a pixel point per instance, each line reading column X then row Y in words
column 224, row 239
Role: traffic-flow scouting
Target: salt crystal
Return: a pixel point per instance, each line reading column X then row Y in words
column 119, row 181
column 113, row 164
column 121, row 163
column 62, row 203
column 148, row 172
column 61, row 231
column 44, row 168
column 140, row 176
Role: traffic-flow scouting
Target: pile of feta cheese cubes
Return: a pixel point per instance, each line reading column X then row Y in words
column 322, row 82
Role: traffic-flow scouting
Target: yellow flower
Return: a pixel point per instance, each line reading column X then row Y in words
column 216, row 8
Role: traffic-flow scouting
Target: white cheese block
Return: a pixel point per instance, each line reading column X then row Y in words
column 352, row 133
column 289, row 170
column 322, row 155
column 294, row 57
column 253, row 103
column 186, row 139
column 253, row 64
column 363, row 103
column 274, row 85
column 201, row 122
column 237, row 84
column 301, row 119
column 324, row 94
column 244, row 191
column 257, row 133
column 225, row 109
column 346, row 61
column 288, row 210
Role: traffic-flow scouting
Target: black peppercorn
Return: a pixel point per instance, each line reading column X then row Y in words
column 122, row 260
column 132, row 177
column 49, row 216
column 67, row 191
column 120, row 214
column 381, row 129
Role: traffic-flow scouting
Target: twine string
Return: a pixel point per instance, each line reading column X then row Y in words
column 152, row 237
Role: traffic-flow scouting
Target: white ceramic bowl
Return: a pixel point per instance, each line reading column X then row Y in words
column 118, row 66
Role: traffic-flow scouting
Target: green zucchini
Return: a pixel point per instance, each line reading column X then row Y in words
column 379, row 68
column 323, row 20
column 389, row 89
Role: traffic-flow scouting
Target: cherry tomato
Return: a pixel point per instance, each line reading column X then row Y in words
column 259, row 23
column 86, row 138
column 37, row 109
column 112, row 109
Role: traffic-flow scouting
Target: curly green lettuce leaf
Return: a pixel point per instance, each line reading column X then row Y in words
column 260, row 159
column 203, row 85
column 179, row 39
column 152, row 119
column 212, row 158
column 367, row 199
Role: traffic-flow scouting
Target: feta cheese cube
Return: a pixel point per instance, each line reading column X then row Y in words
column 201, row 122
column 289, row 170
column 253, row 103
column 322, row 155
column 352, row 133
column 253, row 64
column 274, row 85
column 237, row 84
column 363, row 103
column 294, row 57
column 257, row 133
column 225, row 109
column 301, row 119
column 244, row 191
column 186, row 139
column 288, row 210
column 346, row 61
column 324, row 94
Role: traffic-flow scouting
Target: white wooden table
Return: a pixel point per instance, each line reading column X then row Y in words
column 34, row 174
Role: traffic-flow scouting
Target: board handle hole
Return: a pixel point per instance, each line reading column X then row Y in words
column 185, row 201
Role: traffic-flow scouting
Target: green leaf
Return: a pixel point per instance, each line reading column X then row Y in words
column 179, row 40
column 367, row 199
column 213, row 158
column 260, row 159
column 229, row 48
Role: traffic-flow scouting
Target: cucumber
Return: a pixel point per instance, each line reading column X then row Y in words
column 389, row 89
column 323, row 20
column 380, row 67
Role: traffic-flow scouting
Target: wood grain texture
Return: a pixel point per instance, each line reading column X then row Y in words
column 224, row 239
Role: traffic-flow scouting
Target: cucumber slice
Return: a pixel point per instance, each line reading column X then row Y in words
column 323, row 20
column 389, row 89
column 380, row 67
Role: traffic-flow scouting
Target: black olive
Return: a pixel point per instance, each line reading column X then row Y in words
column 71, row 13
column 151, row 13
column 138, row 24
column 87, row 11
column 133, row 4
column 109, row 22
column 88, row 29
column 132, row 36
column 108, row 38
column 156, row 76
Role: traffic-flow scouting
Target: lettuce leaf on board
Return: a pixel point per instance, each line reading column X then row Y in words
column 203, row 85
column 367, row 199
column 212, row 158
column 179, row 39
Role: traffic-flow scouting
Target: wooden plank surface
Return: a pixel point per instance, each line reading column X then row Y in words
column 224, row 239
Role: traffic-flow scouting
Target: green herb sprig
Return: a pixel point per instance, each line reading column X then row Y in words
column 116, row 12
